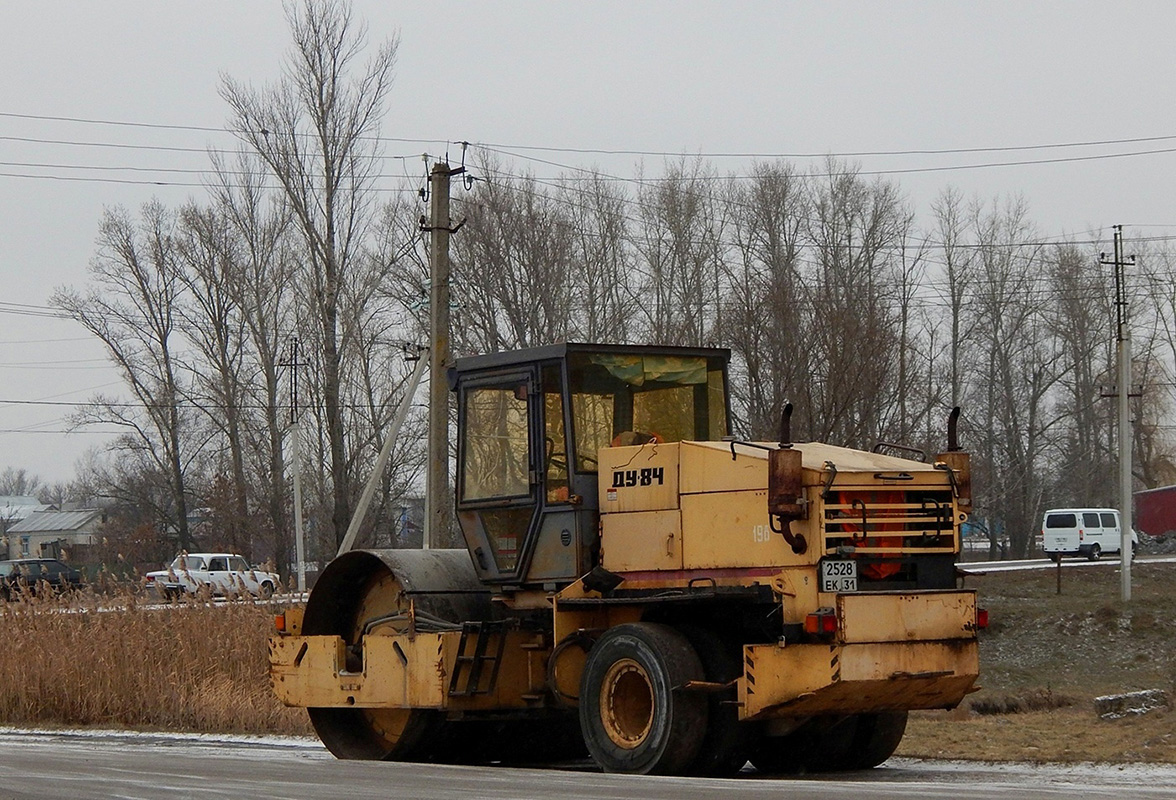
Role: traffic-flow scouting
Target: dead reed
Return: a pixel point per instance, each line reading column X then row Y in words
column 113, row 660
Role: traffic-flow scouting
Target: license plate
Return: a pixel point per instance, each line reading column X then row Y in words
column 839, row 575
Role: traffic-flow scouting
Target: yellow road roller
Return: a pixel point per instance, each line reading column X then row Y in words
column 640, row 587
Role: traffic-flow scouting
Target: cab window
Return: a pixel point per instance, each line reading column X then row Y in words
column 496, row 448
column 630, row 399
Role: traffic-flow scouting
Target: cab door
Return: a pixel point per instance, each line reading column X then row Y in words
column 498, row 469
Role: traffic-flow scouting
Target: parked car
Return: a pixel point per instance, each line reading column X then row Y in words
column 29, row 574
column 219, row 573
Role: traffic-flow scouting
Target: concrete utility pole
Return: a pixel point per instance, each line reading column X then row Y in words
column 438, row 511
column 296, row 467
column 1123, row 336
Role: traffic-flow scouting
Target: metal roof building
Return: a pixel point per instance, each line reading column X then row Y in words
column 53, row 533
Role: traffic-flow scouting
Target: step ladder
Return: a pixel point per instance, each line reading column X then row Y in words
column 474, row 664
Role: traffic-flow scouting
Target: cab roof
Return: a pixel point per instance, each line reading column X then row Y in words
column 553, row 352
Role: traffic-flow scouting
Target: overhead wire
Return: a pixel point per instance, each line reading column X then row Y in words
column 513, row 151
column 628, row 151
column 562, row 181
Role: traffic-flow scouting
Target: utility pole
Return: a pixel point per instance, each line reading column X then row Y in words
column 438, row 509
column 1123, row 337
column 296, row 466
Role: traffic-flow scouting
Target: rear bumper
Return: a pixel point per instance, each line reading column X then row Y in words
column 809, row 679
column 893, row 651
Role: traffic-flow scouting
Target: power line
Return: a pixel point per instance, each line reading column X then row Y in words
column 177, row 184
column 86, row 430
column 878, row 172
column 847, row 154
column 177, row 127
column 23, row 309
column 509, row 179
column 638, row 152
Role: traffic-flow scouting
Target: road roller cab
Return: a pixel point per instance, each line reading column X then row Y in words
column 530, row 428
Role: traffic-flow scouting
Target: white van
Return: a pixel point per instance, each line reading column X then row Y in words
column 1088, row 532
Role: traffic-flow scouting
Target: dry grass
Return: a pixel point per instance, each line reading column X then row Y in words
column 110, row 661
column 1067, row 735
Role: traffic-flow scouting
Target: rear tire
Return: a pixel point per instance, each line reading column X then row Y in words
column 832, row 744
column 634, row 715
column 724, row 748
column 876, row 739
column 1095, row 553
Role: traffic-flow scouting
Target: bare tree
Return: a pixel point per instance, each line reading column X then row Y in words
column 263, row 290
column 211, row 265
column 762, row 317
column 601, row 291
column 1081, row 317
column 856, row 232
column 951, row 224
column 512, row 264
column 316, row 131
column 1018, row 368
column 19, row 482
column 679, row 246
column 131, row 308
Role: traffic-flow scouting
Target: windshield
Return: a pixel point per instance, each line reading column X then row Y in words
column 631, row 399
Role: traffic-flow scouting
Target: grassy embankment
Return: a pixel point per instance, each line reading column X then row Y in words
column 109, row 661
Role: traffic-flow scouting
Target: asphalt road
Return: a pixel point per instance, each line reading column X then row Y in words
column 39, row 765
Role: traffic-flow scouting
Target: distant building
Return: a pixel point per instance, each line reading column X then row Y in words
column 55, row 534
column 1155, row 510
column 14, row 508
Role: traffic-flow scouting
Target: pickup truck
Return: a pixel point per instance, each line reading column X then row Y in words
column 219, row 573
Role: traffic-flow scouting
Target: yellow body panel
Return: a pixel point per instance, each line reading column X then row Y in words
column 686, row 516
column 806, row 679
column 310, row 671
column 641, row 540
column 730, row 529
column 797, row 588
column 402, row 671
column 638, row 478
column 708, row 467
column 906, row 617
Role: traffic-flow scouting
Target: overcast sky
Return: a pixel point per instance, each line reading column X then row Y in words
column 675, row 77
